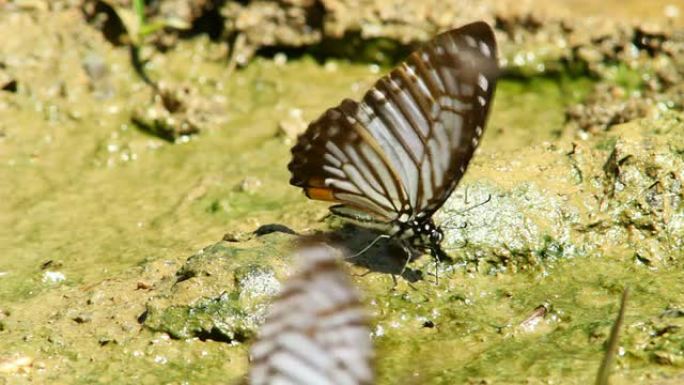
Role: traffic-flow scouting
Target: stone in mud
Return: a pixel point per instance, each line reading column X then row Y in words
column 220, row 293
column 618, row 191
column 306, row 23
column 647, row 82
column 268, row 24
column 292, row 125
column 532, row 40
column 173, row 114
column 509, row 228
column 607, row 106
column 7, row 83
column 15, row 364
column 97, row 70
column 250, row 184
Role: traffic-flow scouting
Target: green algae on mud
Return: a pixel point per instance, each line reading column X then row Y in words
column 470, row 310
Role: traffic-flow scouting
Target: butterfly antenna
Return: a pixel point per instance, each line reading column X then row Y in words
column 464, row 225
column 459, row 227
column 463, row 246
column 484, row 202
column 379, row 237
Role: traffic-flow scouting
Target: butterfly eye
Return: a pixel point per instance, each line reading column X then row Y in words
column 436, row 236
column 394, row 157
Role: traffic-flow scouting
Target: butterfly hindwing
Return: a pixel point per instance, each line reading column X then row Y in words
column 400, row 152
column 337, row 160
column 316, row 332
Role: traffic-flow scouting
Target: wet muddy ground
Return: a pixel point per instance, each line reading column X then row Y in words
column 129, row 210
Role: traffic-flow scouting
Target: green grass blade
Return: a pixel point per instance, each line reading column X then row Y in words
column 603, row 376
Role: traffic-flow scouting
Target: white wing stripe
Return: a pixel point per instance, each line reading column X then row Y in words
column 429, row 73
column 336, row 320
column 363, row 202
column 415, row 115
column 332, row 160
column 385, row 177
column 457, row 132
column 438, row 167
column 335, row 151
column 397, row 126
column 363, row 169
column 449, row 79
column 426, row 182
column 334, row 171
column 393, row 149
column 364, row 187
column 343, row 185
column 441, row 138
column 305, row 348
column 280, row 380
column 423, row 87
column 297, row 370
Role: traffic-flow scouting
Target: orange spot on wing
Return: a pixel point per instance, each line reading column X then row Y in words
column 319, row 193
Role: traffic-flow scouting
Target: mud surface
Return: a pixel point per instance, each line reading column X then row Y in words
column 147, row 222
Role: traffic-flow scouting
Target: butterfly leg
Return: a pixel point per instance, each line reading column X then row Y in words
column 409, row 254
column 379, row 237
column 438, row 255
column 363, row 274
column 394, row 282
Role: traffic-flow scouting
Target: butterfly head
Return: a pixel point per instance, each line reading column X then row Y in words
column 436, row 236
column 425, row 235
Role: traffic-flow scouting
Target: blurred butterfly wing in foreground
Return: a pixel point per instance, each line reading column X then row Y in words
column 316, row 332
column 397, row 155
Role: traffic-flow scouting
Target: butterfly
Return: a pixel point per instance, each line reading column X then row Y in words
column 392, row 159
column 316, row 331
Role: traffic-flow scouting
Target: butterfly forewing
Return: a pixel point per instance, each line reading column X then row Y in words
column 316, row 332
column 400, row 152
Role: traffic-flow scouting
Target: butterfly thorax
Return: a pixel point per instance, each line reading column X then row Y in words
column 421, row 235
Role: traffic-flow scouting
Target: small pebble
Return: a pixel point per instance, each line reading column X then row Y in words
column 14, row 365
column 53, row 277
column 250, row 184
column 293, row 125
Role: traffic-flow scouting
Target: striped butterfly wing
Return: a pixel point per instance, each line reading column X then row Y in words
column 400, row 152
column 316, row 332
